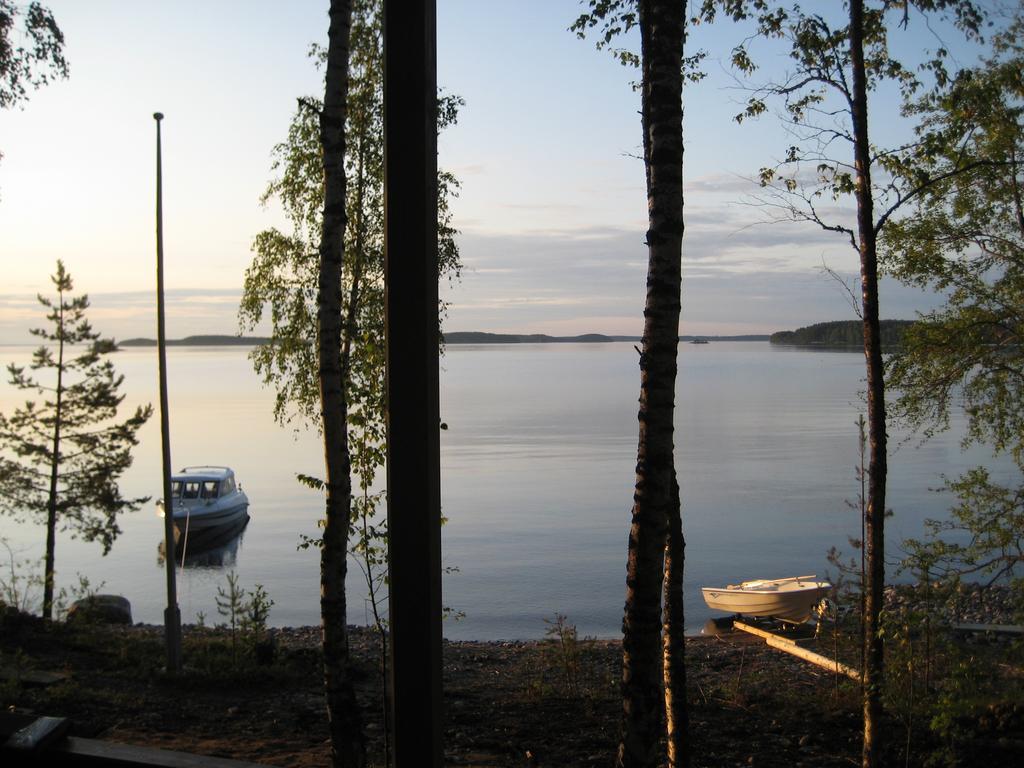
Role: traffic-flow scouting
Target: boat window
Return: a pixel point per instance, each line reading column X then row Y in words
column 227, row 486
column 175, row 489
column 210, row 489
column 191, row 491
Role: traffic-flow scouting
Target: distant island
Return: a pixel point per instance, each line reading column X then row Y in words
column 840, row 334
column 201, row 341
column 455, row 337
column 479, row 337
column 741, row 337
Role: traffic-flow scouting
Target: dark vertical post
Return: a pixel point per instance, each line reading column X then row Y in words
column 172, row 615
column 411, row 330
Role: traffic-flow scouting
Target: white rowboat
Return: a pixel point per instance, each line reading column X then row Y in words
column 791, row 600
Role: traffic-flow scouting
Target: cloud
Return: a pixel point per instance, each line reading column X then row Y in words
column 545, row 207
column 528, row 301
column 723, row 238
column 468, row 169
column 736, row 278
column 719, row 183
column 124, row 314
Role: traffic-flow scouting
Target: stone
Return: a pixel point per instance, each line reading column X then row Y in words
column 101, row 609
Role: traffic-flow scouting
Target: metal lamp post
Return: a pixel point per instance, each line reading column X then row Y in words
column 172, row 615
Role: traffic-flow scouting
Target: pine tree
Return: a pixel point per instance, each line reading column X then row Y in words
column 61, row 456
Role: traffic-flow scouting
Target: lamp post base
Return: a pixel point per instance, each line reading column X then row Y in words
column 172, row 628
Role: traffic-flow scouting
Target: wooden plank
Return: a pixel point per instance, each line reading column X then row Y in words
column 78, row 751
column 790, row 646
column 767, row 633
column 12, row 722
column 750, row 628
column 999, row 629
column 41, row 733
column 825, row 662
column 32, row 676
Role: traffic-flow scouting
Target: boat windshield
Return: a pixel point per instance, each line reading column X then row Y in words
column 210, row 489
column 191, row 490
column 175, row 489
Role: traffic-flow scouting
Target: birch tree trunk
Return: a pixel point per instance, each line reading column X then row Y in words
column 656, row 495
column 875, row 544
column 677, row 720
column 348, row 749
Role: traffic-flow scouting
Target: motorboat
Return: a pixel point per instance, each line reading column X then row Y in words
column 791, row 600
column 206, row 498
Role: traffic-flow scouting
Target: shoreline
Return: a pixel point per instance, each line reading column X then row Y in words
column 970, row 604
column 507, row 703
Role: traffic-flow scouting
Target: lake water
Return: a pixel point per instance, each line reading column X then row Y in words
column 537, row 480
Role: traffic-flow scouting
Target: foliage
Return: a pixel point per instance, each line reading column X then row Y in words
column 563, row 636
column 915, row 643
column 837, row 61
column 231, row 605
column 84, row 591
column 817, row 101
column 21, row 583
column 950, row 700
column 61, row 458
column 842, row 333
column 29, row 57
column 280, row 284
column 257, row 610
column 371, row 554
column 613, row 19
column 850, row 584
column 254, row 626
column 246, row 618
column 983, row 535
column 568, row 667
column 80, row 401
column 966, row 238
column 18, row 589
column 945, row 693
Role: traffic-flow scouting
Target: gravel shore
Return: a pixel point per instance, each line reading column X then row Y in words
column 506, row 703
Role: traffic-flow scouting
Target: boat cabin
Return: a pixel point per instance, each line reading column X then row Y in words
column 203, row 486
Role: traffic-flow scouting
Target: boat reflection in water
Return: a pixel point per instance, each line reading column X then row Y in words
column 215, row 547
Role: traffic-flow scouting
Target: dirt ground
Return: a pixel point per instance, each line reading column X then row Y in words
column 539, row 703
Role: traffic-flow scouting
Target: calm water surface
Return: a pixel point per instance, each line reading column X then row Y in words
column 537, row 480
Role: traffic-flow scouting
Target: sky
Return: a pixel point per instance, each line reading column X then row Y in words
column 551, row 214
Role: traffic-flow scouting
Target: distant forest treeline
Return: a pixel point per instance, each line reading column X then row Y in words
column 841, row 333
column 213, row 340
column 456, row 337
